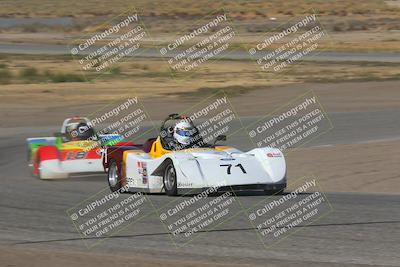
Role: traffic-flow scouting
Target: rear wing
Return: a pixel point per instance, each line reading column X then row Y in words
column 41, row 141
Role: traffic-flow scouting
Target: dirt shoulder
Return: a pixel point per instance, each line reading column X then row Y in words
column 48, row 104
column 364, row 168
column 43, row 258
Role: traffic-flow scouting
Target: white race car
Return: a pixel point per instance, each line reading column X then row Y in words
column 158, row 167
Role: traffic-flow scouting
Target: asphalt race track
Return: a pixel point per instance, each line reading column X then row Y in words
column 361, row 229
column 56, row 49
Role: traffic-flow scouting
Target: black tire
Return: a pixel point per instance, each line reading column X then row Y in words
column 39, row 174
column 113, row 176
column 274, row 191
column 30, row 163
column 169, row 179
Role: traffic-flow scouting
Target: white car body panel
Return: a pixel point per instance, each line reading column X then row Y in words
column 200, row 168
column 56, row 169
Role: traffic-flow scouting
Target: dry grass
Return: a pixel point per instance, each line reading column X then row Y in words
column 233, row 74
column 192, row 8
column 372, row 24
column 152, row 78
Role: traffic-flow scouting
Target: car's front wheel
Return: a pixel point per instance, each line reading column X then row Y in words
column 114, row 179
column 169, row 179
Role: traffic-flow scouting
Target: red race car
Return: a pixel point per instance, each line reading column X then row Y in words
column 76, row 149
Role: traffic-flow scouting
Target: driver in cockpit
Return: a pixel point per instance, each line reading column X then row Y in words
column 80, row 132
column 185, row 136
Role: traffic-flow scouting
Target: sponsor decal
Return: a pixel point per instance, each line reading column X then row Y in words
column 71, row 155
column 274, row 155
column 185, row 184
column 142, row 169
column 99, row 151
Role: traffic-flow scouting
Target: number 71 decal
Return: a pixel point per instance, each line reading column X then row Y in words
column 228, row 170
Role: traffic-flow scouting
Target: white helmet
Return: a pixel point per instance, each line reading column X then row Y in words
column 183, row 132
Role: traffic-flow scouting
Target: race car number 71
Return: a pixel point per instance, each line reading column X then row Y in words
column 228, row 170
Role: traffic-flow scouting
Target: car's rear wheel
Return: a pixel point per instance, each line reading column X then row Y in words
column 31, row 164
column 36, row 170
column 114, row 179
column 169, row 179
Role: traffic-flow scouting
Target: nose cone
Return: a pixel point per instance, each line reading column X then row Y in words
column 210, row 153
